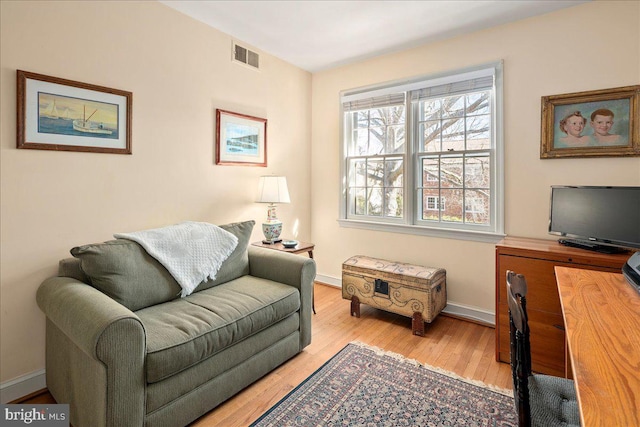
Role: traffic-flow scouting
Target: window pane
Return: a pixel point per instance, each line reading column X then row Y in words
column 377, row 138
column 360, row 142
column 477, row 172
column 375, row 172
column 375, row 183
column 430, row 204
column 477, row 206
column 378, row 131
column 374, row 205
column 392, row 115
column 431, row 109
column 430, row 136
column 357, row 201
column 453, row 106
column 361, row 119
column 395, row 139
column 452, row 211
column 478, row 103
column 394, row 202
column 430, row 173
column 377, row 117
column 394, row 172
column 357, row 173
column 451, row 172
column 453, row 134
column 478, row 132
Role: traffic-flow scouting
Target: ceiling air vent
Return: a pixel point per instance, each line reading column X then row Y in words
column 246, row 56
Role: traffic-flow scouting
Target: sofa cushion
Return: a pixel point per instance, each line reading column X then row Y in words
column 237, row 264
column 183, row 332
column 124, row 271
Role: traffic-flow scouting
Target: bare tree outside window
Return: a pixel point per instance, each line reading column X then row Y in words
column 455, row 140
column 376, row 167
column 425, row 154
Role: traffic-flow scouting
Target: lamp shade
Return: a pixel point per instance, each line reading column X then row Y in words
column 273, row 189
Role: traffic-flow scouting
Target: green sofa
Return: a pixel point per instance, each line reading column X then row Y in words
column 123, row 349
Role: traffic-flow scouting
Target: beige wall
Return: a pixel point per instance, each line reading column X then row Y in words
column 588, row 47
column 179, row 71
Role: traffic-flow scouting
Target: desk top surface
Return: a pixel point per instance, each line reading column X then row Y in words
column 602, row 320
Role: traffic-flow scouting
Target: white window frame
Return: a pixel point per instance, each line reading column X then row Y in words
column 411, row 223
column 382, row 158
column 439, row 203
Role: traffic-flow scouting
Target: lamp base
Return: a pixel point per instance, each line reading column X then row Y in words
column 272, row 229
column 271, row 242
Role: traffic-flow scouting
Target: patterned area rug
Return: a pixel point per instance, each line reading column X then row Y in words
column 366, row 386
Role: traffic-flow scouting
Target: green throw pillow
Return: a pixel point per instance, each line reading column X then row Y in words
column 237, row 264
column 124, row 271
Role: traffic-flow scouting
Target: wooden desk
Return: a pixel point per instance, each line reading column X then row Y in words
column 536, row 259
column 602, row 320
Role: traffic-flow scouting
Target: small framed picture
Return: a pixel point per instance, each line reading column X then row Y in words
column 597, row 123
column 66, row 115
column 240, row 139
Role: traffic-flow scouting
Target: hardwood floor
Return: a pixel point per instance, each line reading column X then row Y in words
column 466, row 348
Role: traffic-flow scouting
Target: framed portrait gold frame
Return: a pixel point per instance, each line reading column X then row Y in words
column 599, row 123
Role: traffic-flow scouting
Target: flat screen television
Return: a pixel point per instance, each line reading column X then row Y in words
column 604, row 219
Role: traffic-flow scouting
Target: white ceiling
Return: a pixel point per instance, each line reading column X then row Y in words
column 317, row 35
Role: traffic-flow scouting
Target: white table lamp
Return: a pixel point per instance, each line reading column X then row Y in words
column 272, row 189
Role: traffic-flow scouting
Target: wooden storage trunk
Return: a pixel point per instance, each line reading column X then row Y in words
column 409, row 290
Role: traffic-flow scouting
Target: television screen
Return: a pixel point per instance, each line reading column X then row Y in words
column 597, row 215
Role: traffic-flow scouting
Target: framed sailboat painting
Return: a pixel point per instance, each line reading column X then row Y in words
column 66, row 115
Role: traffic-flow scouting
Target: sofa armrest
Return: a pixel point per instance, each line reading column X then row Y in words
column 292, row 270
column 81, row 311
column 283, row 267
column 95, row 353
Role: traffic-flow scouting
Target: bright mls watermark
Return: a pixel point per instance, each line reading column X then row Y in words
column 34, row 415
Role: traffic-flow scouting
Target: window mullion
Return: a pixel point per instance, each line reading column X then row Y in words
column 410, row 160
column 464, row 186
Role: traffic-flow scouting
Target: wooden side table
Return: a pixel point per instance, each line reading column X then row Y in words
column 301, row 247
column 298, row 249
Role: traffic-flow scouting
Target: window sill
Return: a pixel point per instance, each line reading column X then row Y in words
column 445, row 233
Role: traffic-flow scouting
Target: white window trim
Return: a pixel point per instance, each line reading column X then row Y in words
column 439, row 205
column 480, row 234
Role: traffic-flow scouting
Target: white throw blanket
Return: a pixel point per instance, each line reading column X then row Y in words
column 191, row 251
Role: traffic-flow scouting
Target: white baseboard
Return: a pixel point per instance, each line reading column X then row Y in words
column 476, row 314
column 472, row 313
column 328, row 280
column 22, row 386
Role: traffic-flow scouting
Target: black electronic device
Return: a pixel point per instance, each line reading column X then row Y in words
column 604, row 219
column 631, row 271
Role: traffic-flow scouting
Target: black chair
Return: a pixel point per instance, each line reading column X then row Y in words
column 540, row 400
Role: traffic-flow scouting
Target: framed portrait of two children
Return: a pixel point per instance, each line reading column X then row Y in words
column 599, row 123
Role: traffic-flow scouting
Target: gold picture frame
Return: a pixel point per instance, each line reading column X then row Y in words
column 65, row 115
column 599, row 123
